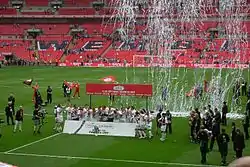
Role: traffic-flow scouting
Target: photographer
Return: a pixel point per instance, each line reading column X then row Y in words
column 37, row 121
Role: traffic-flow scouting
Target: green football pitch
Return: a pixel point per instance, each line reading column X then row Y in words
column 60, row 150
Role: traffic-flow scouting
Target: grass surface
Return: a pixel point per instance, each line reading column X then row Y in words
column 75, row 150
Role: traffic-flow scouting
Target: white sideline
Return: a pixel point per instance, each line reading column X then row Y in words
column 37, row 141
column 30, row 115
column 111, row 160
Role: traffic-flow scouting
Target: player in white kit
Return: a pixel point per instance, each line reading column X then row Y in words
column 149, row 124
column 59, row 119
column 163, row 123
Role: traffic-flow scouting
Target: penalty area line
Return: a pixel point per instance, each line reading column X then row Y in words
column 107, row 159
column 26, row 145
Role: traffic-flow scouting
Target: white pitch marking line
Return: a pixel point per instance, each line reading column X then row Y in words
column 37, row 141
column 30, row 115
column 111, row 160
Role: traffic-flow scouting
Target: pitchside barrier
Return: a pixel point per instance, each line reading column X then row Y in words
column 100, row 128
column 166, row 65
column 187, row 114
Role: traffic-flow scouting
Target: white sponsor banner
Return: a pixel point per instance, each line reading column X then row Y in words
column 100, row 128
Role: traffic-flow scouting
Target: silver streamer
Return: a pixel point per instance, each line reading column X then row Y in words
column 168, row 21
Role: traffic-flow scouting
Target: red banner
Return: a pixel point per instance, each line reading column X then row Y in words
column 119, row 89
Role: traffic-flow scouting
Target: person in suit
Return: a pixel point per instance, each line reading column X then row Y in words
column 203, row 137
column 158, row 125
column 223, row 142
column 233, row 134
column 245, row 123
column 224, row 114
column 239, row 143
column 9, row 113
column 215, row 134
column 49, row 95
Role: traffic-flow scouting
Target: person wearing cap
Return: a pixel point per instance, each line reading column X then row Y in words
column 239, row 143
column 19, row 119
column 9, row 113
column 203, row 137
column 223, row 142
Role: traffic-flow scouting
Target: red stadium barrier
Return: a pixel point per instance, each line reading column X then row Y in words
column 70, row 64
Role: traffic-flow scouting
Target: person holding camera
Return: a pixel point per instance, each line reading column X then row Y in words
column 9, row 113
column 19, row 119
column 37, row 121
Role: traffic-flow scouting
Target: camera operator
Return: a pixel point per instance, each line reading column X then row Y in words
column 9, row 113
column 37, row 121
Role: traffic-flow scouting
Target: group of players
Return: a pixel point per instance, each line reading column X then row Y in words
column 207, row 126
column 67, row 91
column 143, row 118
column 68, row 87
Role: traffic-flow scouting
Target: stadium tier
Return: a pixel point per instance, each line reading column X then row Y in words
column 36, row 3
column 91, row 46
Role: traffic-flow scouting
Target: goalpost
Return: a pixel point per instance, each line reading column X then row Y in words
column 150, row 61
